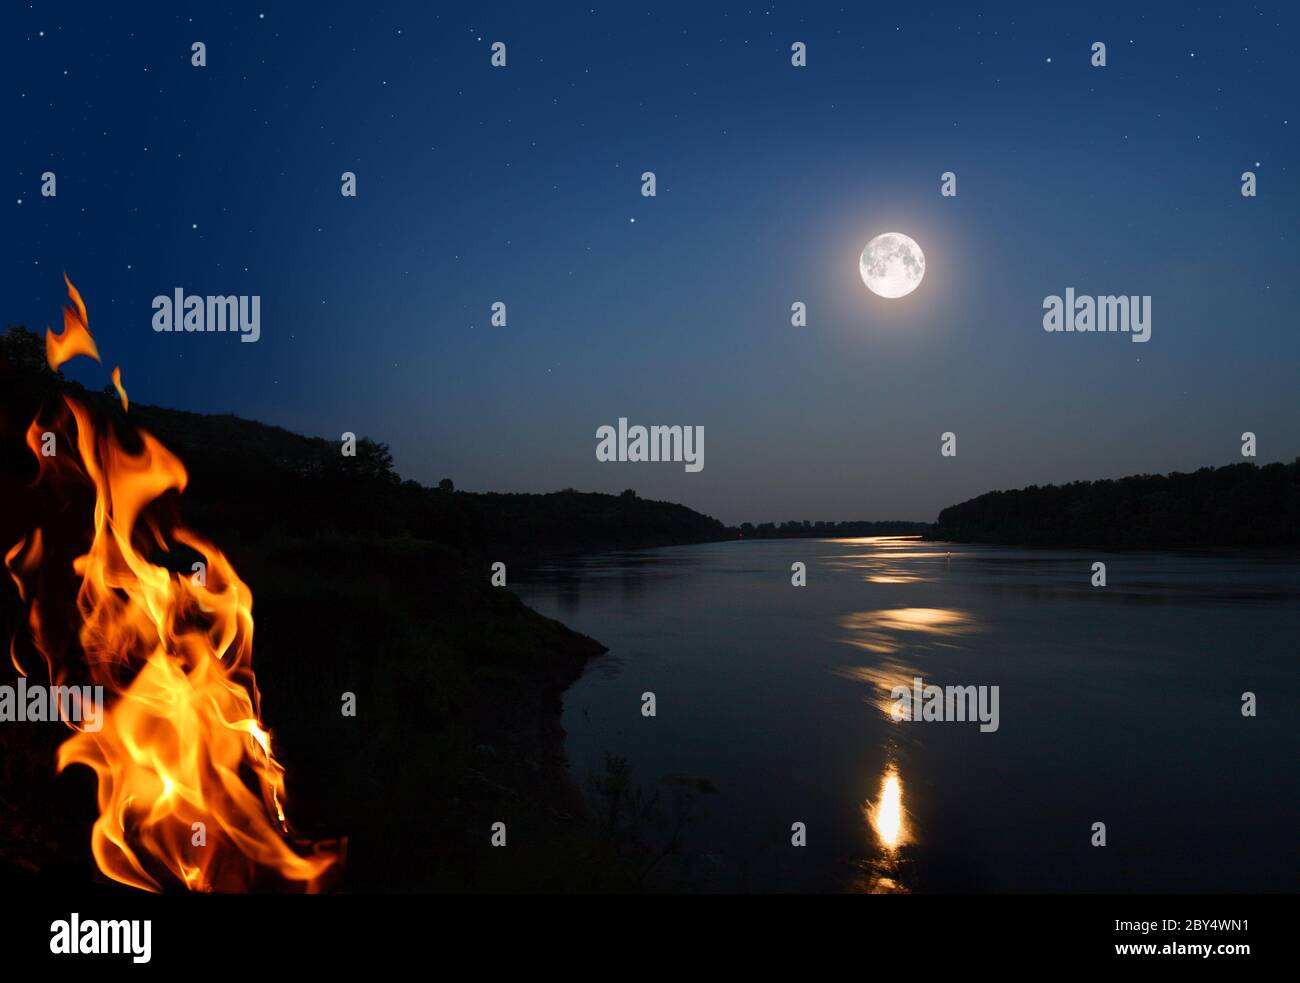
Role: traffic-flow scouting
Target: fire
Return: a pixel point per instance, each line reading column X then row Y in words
column 76, row 338
column 189, row 790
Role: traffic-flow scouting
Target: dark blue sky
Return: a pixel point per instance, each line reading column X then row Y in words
column 521, row 184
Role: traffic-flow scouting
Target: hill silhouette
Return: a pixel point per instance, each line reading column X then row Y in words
column 262, row 479
column 1238, row 505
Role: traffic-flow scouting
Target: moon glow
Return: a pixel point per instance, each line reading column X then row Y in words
column 892, row 265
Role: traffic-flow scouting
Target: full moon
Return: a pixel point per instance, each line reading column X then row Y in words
column 892, row 265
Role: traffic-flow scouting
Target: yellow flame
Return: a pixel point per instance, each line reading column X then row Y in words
column 181, row 745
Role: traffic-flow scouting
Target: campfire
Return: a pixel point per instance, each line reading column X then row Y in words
column 190, row 793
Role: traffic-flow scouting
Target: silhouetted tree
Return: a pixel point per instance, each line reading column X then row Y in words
column 1236, row 505
column 794, row 529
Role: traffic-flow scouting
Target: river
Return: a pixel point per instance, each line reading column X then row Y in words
column 775, row 705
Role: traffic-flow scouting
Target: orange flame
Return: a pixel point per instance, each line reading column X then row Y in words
column 117, row 384
column 190, row 792
column 76, row 338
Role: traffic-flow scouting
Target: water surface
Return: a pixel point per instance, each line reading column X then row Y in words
column 1119, row 705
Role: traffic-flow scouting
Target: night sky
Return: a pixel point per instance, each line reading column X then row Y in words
column 523, row 184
